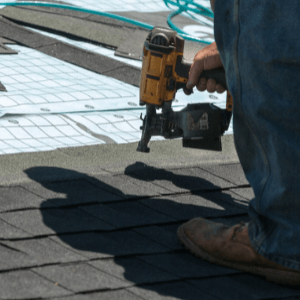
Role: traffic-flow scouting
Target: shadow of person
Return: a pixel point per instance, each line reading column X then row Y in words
column 192, row 184
column 97, row 231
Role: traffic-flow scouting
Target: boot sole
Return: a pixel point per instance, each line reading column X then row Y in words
column 273, row 275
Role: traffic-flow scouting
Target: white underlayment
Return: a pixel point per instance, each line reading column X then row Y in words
column 52, row 104
column 123, row 5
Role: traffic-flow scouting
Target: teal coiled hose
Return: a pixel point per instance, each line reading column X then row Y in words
column 183, row 6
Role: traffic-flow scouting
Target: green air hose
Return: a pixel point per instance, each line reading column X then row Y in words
column 199, row 9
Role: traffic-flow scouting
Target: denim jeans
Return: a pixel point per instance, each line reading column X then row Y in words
column 259, row 46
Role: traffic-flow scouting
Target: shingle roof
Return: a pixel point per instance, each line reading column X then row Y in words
column 99, row 222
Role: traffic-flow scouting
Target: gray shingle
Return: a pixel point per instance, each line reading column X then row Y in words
column 161, row 236
column 80, row 57
column 6, row 50
column 2, row 87
column 78, row 192
column 90, row 245
column 109, row 244
column 8, row 231
column 231, row 172
column 247, row 193
column 101, row 33
column 24, row 36
column 152, row 189
column 121, row 294
column 183, row 207
column 70, row 192
column 159, row 18
column 28, row 285
column 142, row 214
column 128, row 242
column 133, row 270
column 227, row 196
column 181, row 180
column 246, row 286
column 44, row 251
column 111, row 216
column 80, row 277
column 171, row 291
column 126, row 74
column 16, row 197
column 41, row 222
column 132, row 47
column 185, row 265
column 126, row 214
column 13, row 259
column 125, row 186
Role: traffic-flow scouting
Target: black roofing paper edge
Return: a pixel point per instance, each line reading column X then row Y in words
column 2, row 87
column 86, row 59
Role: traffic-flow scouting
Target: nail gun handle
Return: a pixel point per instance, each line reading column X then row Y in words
column 217, row 74
column 183, row 69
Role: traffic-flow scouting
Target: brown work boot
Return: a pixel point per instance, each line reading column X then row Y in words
column 231, row 247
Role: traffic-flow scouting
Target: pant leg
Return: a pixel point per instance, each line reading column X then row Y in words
column 259, row 46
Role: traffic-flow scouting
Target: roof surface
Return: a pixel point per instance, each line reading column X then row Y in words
column 99, row 221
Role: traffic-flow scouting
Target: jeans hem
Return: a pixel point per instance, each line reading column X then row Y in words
column 257, row 247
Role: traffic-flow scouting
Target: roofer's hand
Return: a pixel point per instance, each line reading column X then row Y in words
column 206, row 59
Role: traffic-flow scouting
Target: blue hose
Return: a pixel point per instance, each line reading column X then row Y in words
column 199, row 9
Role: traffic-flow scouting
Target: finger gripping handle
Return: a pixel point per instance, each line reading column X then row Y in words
column 218, row 74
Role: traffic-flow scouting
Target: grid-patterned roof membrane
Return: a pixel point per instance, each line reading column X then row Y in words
column 56, row 104
column 50, row 103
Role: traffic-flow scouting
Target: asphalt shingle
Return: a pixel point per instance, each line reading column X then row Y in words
column 83, row 29
column 78, row 192
column 80, row 277
column 181, row 180
column 171, row 291
column 80, row 57
column 90, row 248
column 70, row 192
column 7, row 231
column 22, row 35
column 127, row 187
column 2, row 87
column 185, row 265
column 13, row 198
column 109, row 244
column 88, row 60
column 53, row 221
column 6, row 50
column 230, row 172
column 132, row 47
column 44, row 251
column 133, row 270
column 28, row 285
column 143, row 214
column 246, row 286
column 247, row 193
column 105, row 295
column 183, row 207
column 127, row 214
column 11, row 258
column 161, row 235
column 126, row 74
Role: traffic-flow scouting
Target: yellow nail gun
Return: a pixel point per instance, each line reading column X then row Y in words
column 164, row 71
